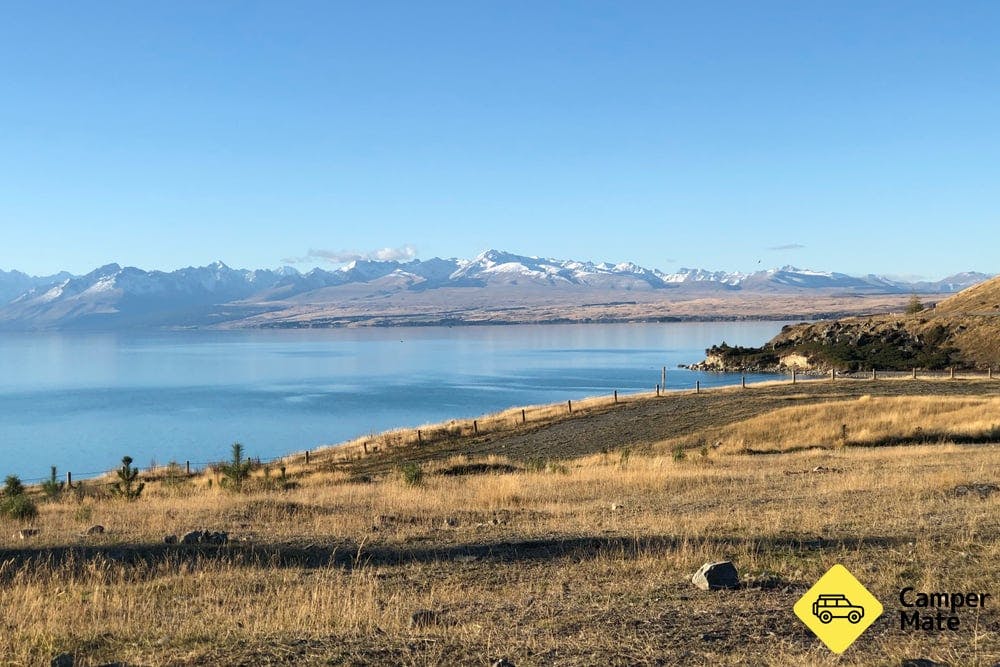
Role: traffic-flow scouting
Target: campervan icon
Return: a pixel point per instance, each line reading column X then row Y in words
column 828, row 607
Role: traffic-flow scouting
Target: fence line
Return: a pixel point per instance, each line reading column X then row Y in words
column 193, row 468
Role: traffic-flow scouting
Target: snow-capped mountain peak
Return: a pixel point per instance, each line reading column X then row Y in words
column 134, row 297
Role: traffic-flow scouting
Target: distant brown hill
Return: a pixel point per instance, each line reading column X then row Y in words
column 962, row 331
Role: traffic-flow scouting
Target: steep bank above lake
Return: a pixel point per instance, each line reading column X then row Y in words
column 961, row 332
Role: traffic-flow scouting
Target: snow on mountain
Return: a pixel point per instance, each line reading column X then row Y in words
column 193, row 296
column 14, row 283
column 702, row 276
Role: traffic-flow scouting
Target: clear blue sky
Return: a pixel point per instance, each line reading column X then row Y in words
column 165, row 134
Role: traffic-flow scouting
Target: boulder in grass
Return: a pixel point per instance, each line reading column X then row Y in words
column 716, row 576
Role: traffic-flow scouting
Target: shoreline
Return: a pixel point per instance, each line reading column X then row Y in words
column 515, row 419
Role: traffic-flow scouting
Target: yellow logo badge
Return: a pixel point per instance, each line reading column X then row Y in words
column 838, row 609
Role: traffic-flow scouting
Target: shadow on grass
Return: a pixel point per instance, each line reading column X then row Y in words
column 987, row 437
column 153, row 559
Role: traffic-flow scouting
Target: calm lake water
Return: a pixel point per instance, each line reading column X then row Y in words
column 82, row 401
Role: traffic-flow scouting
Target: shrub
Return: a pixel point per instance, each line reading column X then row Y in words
column 12, row 487
column 13, row 503
column 236, row 472
column 413, row 474
column 679, row 453
column 20, row 508
column 52, row 487
column 128, row 485
column 914, row 306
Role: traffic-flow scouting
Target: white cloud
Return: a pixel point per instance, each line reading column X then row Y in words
column 401, row 254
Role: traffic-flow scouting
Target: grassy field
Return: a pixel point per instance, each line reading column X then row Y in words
column 577, row 550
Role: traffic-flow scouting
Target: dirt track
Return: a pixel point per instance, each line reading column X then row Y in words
column 641, row 421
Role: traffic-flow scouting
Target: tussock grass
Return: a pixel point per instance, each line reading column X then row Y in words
column 865, row 421
column 577, row 561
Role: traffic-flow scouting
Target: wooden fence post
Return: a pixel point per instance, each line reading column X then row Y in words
column 307, row 457
column 616, row 396
column 833, row 375
column 365, row 445
column 952, row 372
column 569, row 404
column 663, row 378
column 990, row 373
column 874, row 374
column 697, row 386
column 794, row 374
column 69, row 480
column 914, row 373
column 187, row 467
column 743, row 381
column 475, row 426
column 524, row 418
column 420, row 437
column 657, row 390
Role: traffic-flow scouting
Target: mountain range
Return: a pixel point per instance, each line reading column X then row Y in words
column 392, row 292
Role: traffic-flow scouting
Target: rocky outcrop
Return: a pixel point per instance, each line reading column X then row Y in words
column 888, row 342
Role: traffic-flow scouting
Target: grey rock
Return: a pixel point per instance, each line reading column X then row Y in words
column 205, row 537
column 502, row 662
column 423, row 618
column 25, row 533
column 194, row 537
column 96, row 529
column 62, row 660
column 715, row 576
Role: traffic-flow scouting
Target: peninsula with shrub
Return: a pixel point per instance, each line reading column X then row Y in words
column 959, row 332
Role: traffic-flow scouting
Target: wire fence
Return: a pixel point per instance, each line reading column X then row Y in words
column 187, row 469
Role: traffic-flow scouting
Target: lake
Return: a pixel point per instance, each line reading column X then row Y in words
column 82, row 401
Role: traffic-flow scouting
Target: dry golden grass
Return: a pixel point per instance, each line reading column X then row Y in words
column 865, row 421
column 582, row 561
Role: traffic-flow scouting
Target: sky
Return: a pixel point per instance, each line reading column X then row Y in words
column 861, row 137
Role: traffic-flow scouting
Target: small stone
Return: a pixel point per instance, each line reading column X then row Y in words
column 96, row 529
column 170, row 539
column 63, row 660
column 502, row 662
column 423, row 618
column 615, row 507
column 450, row 522
column 25, row 533
column 715, row 576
